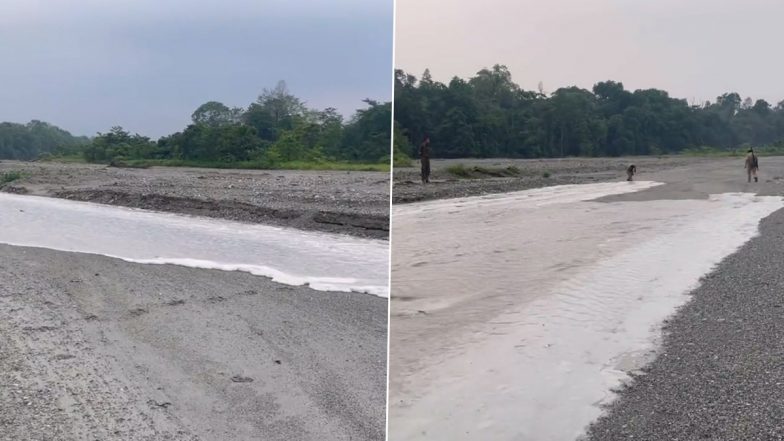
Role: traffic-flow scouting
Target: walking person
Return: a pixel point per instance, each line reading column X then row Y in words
column 424, row 159
column 752, row 165
column 630, row 172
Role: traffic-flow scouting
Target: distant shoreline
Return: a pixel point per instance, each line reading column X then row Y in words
column 453, row 178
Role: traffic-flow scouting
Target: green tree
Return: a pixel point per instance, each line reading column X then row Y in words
column 215, row 114
column 36, row 138
column 489, row 115
column 276, row 127
column 368, row 135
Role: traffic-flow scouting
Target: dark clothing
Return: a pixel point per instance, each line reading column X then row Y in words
column 752, row 162
column 425, row 169
column 752, row 165
column 424, row 150
column 630, row 172
column 424, row 158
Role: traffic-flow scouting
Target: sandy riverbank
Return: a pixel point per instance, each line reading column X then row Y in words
column 97, row 348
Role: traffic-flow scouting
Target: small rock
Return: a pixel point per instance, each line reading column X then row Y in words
column 241, row 379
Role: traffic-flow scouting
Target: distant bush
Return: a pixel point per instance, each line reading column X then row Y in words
column 260, row 164
column 123, row 163
column 11, row 176
column 461, row 171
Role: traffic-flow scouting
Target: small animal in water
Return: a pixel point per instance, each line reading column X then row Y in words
column 630, row 172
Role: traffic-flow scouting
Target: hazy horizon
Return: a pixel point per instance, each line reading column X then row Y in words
column 695, row 51
column 88, row 65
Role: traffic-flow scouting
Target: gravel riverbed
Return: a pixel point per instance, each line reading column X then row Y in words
column 355, row 203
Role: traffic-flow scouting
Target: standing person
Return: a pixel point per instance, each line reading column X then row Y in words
column 752, row 165
column 424, row 159
column 630, row 172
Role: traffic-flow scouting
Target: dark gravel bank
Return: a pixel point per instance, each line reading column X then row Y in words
column 355, row 203
column 720, row 371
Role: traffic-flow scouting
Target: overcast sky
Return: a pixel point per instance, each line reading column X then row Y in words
column 87, row 65
column 695, row 49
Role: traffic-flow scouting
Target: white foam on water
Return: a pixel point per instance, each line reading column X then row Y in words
column 538, row 364
column 325, row 262
column 438, row 243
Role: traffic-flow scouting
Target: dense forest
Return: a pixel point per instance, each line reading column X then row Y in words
column 29, row 141
column 277, row 128
column 489, row 115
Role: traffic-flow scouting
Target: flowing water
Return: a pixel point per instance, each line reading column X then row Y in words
column 327, row 262
column 514, row 316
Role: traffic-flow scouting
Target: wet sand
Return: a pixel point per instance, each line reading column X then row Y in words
column 430, row 326
column 355, row 203
column 97, row 348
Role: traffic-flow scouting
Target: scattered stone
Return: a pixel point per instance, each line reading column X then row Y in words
column 138, row 311
column 39, row 328
column 154, row 403
column 241, row 379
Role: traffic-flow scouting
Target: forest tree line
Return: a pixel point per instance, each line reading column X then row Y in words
column 489, row 115
column 29, row 141
column 278, row 127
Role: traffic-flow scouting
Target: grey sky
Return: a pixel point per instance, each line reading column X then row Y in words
column 87, row 65
column 695, row 49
